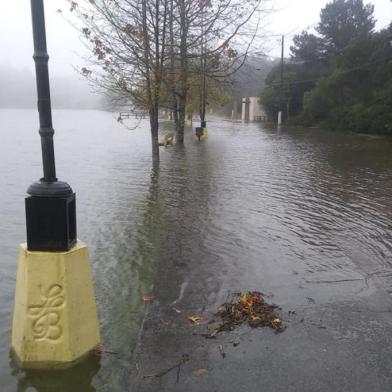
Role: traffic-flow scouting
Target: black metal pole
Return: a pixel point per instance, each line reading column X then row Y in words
column 281, row 79
column 51, row 206
column 41, row 59
column 204, row 71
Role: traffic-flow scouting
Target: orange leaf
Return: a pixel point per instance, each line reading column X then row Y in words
column 199, row 372
column 147, row 298
column 195, row 319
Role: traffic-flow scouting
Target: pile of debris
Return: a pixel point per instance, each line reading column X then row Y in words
column 248, row 307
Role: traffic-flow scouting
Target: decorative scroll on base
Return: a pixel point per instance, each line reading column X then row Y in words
column 46, row 317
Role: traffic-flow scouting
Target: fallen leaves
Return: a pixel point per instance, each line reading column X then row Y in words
column 248, row 307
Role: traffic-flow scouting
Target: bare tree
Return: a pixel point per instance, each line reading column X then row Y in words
column 203, row 36
column 128, row 41
column 148, row 51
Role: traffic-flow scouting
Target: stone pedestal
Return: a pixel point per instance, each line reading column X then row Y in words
column 55, row 319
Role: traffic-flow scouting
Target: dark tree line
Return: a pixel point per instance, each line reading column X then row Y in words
column 341, row 76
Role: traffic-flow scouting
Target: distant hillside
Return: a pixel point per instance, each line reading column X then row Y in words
column 249, row 80
column 18, row 90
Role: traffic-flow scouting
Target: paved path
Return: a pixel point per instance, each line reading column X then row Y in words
column 334, row 346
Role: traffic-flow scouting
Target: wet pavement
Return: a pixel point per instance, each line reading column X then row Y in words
column 316, row 245
column 341, row 345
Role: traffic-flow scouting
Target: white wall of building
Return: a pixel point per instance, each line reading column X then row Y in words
column 255, row 111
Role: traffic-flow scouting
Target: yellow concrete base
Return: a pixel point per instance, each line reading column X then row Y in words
column 205, row 134
column 55, row 319
column 167, row 139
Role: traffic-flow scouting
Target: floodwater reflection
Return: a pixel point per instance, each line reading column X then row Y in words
column 76, row 379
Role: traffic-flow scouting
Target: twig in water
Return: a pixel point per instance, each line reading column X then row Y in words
column 100, row 350
column 185, row 358
column 333, row 281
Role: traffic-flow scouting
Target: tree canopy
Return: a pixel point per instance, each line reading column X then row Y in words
column 358, row 95
column 343, row 21
column 340, row 76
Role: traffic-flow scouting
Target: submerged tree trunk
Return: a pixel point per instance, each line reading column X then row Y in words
column 175, row 113
column 154, row 126
column 183, row 75
column 180, row 119
column 181, row 113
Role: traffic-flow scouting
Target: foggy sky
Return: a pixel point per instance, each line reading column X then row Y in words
column 65, row 49
column 294, row 16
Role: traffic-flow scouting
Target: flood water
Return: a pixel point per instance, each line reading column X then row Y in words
column 306, row 212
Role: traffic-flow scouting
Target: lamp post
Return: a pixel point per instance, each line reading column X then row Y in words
column 202, row 131
column 51, row 207
column 280, row 113
column 55, row 320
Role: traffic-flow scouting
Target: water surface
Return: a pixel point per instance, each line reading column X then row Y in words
column 299, row 213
